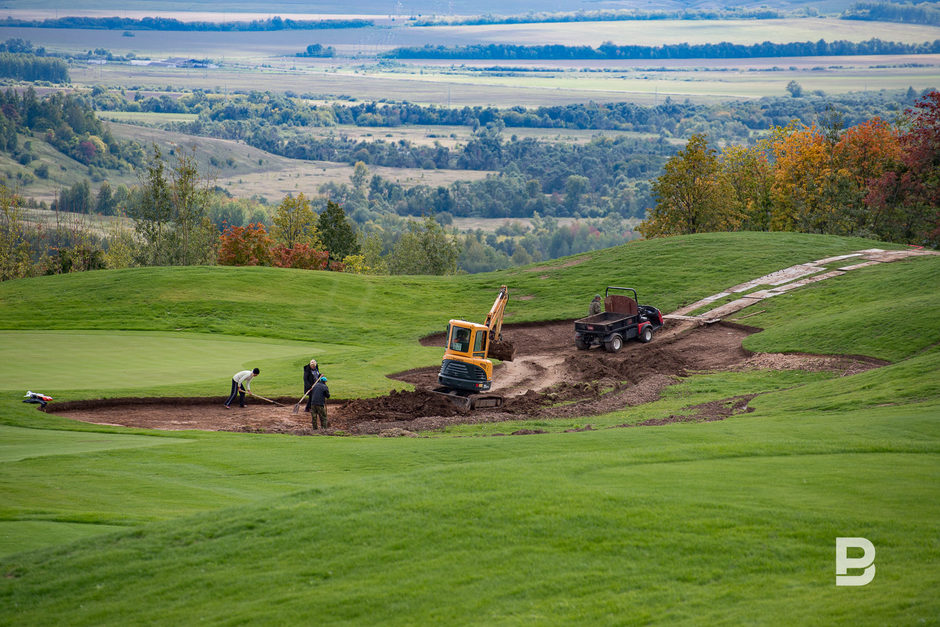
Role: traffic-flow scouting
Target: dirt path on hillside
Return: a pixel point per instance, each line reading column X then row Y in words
column 548, row 378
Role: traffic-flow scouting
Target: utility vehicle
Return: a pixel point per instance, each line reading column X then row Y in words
column 623, row 319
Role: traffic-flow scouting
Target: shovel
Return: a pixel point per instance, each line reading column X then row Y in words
column 268, row 400
column 296, row 409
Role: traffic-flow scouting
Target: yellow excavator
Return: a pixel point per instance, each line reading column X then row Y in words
column 466, row 371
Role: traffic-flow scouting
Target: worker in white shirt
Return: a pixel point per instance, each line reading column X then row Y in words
column 241, row 383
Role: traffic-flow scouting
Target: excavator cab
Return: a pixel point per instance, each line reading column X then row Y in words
column 465, row 366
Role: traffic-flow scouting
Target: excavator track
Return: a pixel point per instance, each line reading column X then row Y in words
column 469, row 400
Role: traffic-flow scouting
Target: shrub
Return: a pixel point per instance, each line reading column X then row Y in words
column 301, row 256
column 245, row 246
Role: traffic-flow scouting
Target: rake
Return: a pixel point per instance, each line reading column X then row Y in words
column 296, row 409
column 269, row 400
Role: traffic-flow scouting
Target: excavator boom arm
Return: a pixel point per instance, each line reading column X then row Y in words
column 494, row 319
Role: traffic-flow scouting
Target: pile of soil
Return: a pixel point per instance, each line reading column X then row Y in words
column 398, row 406
column 548, row 378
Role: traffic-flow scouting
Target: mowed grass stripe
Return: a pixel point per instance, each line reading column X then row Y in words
column 29, row 535
column 506, row 542
column 17, row 443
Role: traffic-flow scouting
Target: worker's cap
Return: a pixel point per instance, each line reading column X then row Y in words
column 323, row 379
column 313, row 363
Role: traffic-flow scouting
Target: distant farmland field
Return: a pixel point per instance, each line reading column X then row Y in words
column 451, row 136
column 702, row 81
column 246, row 171
column 658, row 32
column 365, row 42
column 143, row 117
column 264, row 61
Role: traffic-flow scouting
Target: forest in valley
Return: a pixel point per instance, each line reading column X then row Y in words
column 720, row 50
column 556, row 197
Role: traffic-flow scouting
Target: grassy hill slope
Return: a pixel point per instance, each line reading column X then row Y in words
column 731, row 521
column 366, row 327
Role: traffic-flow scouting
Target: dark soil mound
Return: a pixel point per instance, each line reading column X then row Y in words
column 398, row 406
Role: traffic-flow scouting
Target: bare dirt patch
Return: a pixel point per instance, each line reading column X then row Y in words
column 705, row 412
column 548, row 378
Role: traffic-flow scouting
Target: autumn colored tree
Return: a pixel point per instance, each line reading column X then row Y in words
column 869, row 180
column 804, row 189
column 863, row 154
column 245, row 246
column 301, row 256
column 691, row 195
column 907, row 199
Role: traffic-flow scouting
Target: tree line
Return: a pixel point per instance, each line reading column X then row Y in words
column 730, row 120
column 29, row 67
column 610, row 51
column 604, row 180
column 875, row 180
column 179, row 218
column 907, row 13
column 603, row 16
column 276, row 23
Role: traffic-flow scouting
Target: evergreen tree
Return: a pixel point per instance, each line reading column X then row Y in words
column 336, row 233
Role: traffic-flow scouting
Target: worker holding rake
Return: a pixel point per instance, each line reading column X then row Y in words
column 311, row 376
column 241, row 383
column 318, row 396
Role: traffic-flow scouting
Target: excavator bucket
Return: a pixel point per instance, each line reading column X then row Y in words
column 462, row 401
column 465, row 401
column 502, row 350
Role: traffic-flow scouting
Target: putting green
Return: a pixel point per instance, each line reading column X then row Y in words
column 45, row 361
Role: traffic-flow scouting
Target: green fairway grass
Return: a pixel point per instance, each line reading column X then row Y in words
column 687, row 524
column 118, row 360
column 693, row 523
column 17, row 444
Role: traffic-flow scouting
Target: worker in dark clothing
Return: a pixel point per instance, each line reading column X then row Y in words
column 311, row 376
column 318, row 397
column 596, row 306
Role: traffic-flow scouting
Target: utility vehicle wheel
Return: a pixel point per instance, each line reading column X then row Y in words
column 581, row 345
column 614, row 345
column 646, row 334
